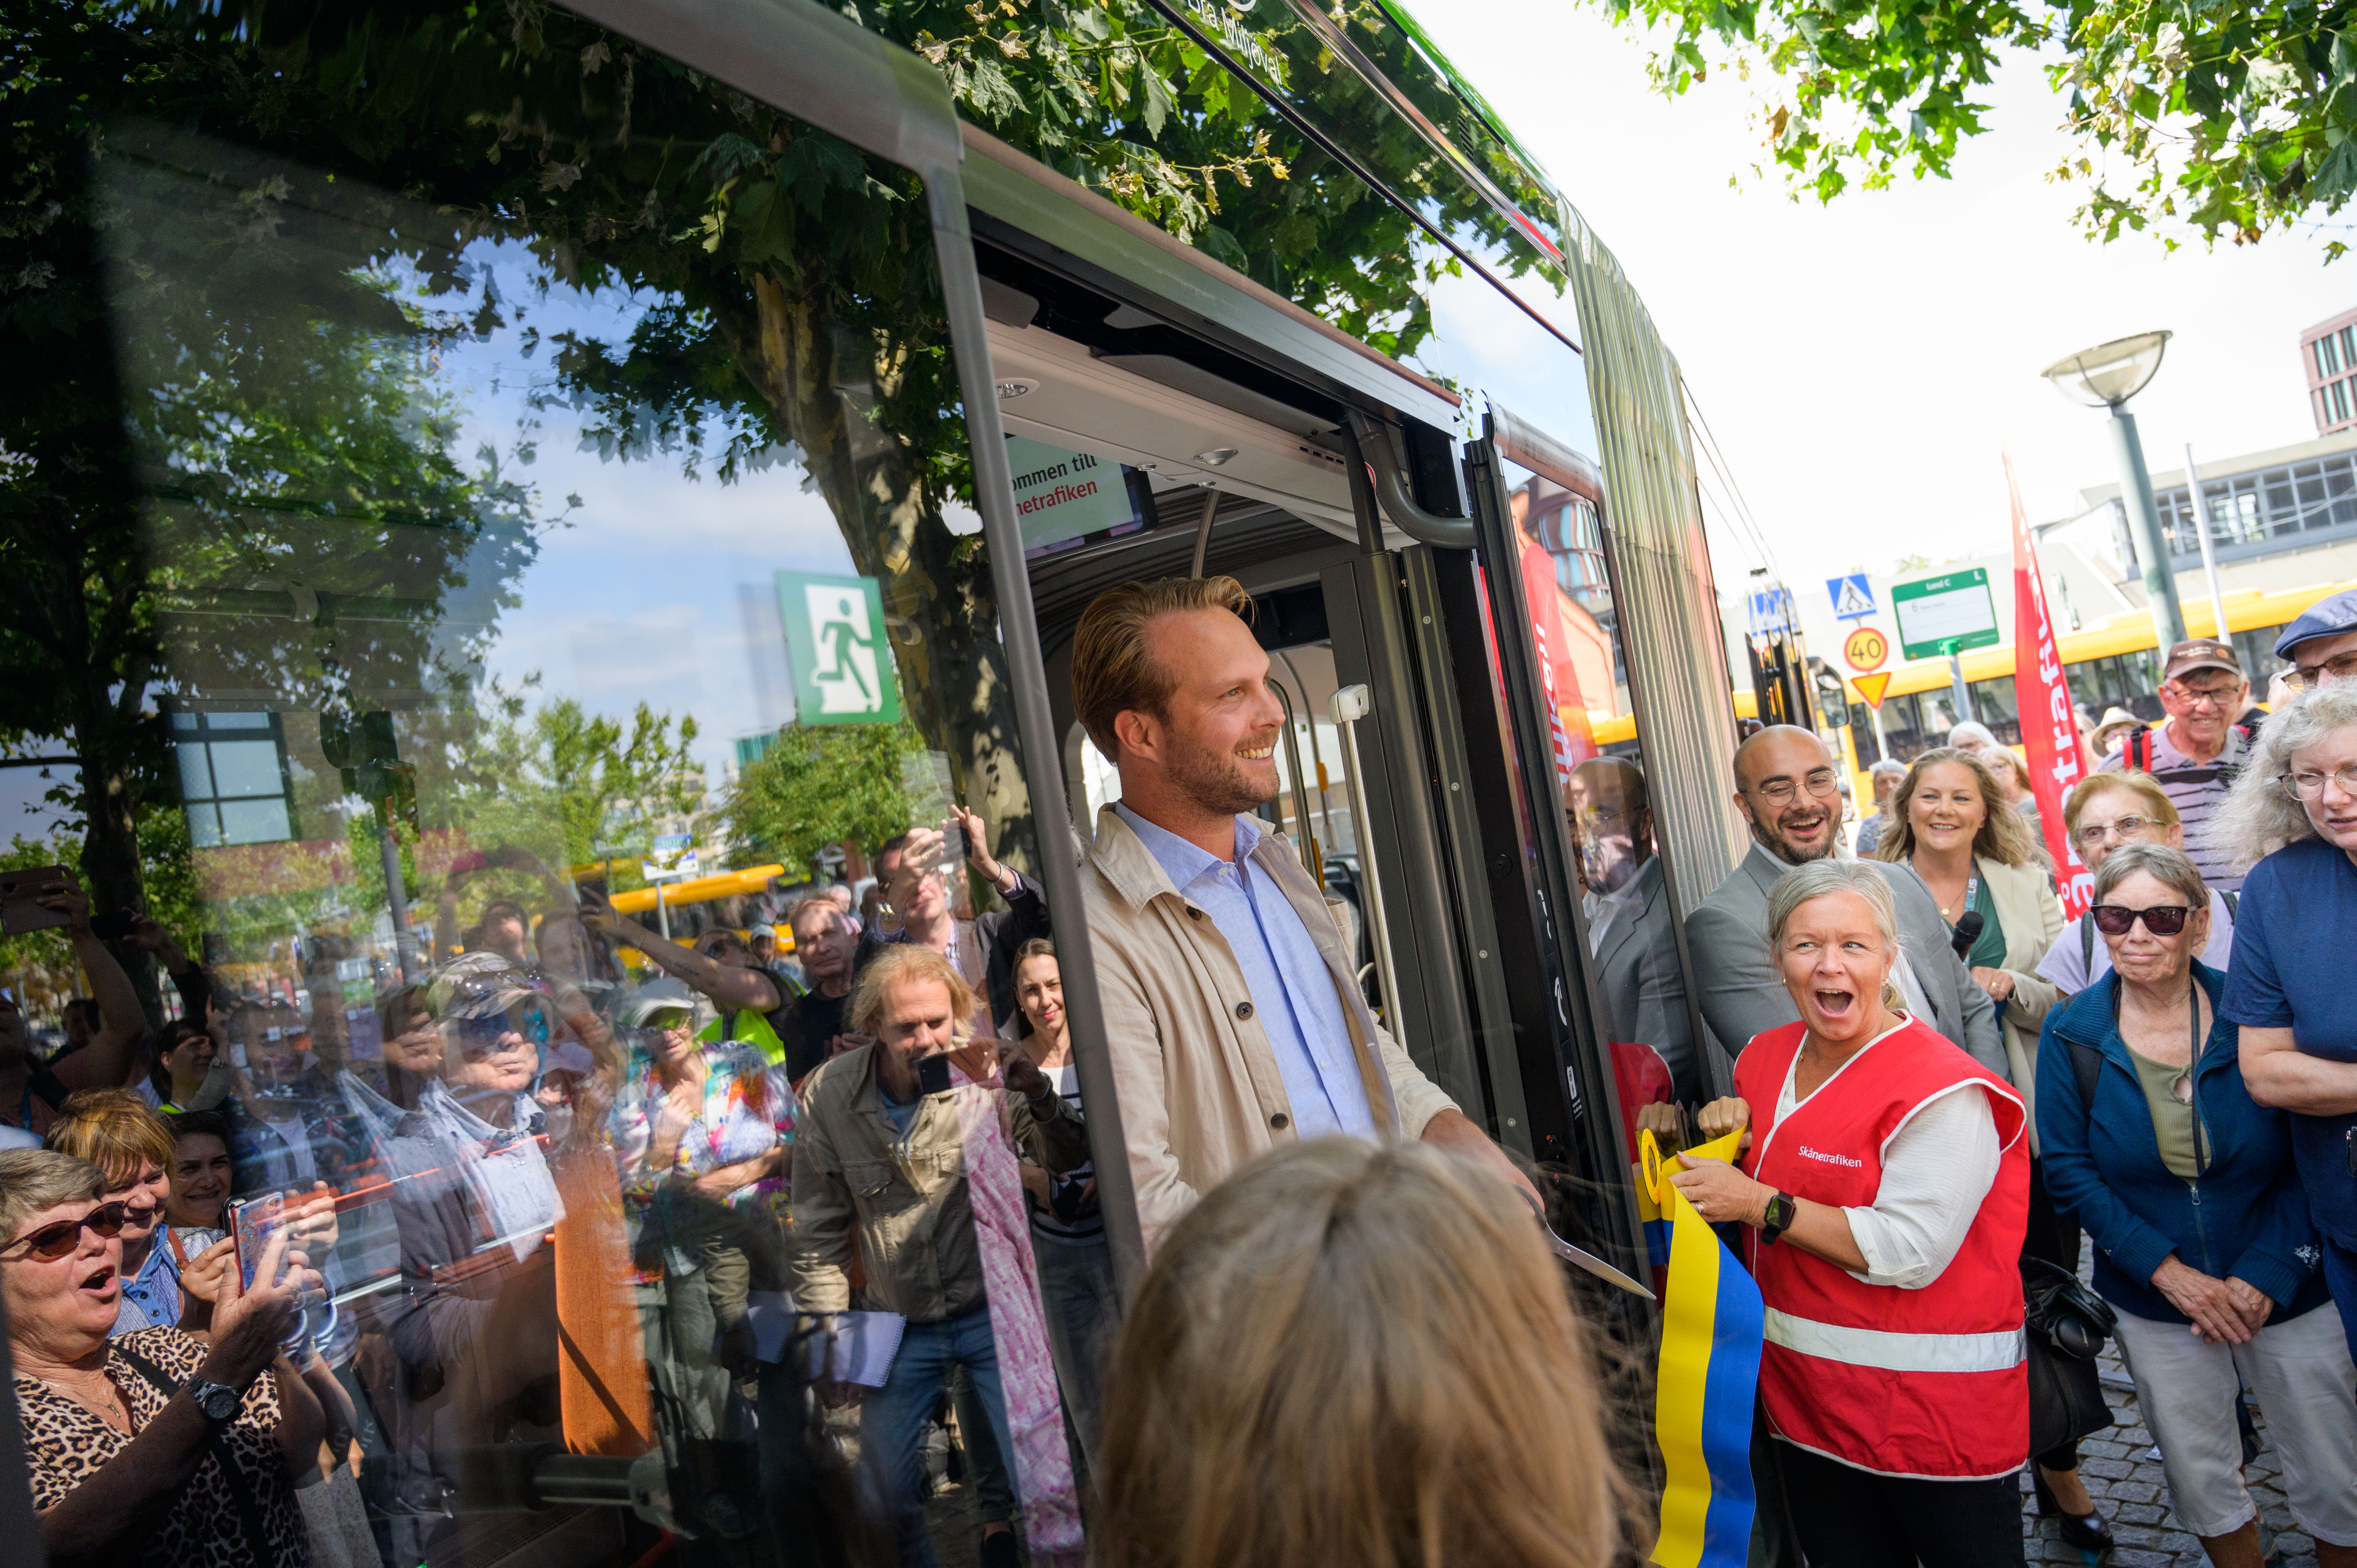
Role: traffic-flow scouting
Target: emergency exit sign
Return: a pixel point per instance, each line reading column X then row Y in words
column 1935, row 612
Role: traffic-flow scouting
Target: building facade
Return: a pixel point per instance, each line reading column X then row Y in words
column 2328, row 351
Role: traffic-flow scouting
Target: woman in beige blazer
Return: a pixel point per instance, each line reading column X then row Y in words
column 1977, row 853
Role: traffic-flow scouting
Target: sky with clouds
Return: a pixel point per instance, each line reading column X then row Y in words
column 1864, row 364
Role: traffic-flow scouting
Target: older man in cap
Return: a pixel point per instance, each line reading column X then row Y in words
column 2321, row 645
column 2197, row 754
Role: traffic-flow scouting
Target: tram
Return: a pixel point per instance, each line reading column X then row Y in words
column 733, row 357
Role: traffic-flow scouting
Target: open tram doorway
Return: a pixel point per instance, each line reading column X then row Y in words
column 1426, row 800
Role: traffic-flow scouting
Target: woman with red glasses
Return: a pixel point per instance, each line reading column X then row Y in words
column 2203, row 1240
column 154, row 1448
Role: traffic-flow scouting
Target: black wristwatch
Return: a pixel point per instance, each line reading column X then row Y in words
column 218, row 1401
column 1782, row 1209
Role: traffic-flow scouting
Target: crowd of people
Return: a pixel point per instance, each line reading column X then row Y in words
column 270, row 1305
column 434, row 1240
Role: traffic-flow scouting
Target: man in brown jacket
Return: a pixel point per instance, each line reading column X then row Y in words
column 880, row 1177
column 1231, row 1008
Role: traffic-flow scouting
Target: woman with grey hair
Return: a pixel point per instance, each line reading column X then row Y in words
column 1887, row 1178
column 1886, row 775
column 2204, row 1242
column 154, row 1447
column 2294, row 812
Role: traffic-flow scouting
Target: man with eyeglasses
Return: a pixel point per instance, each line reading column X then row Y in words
column 1787, row 788
column 2321, row 645
column 1631, row 929
column 2198, row 753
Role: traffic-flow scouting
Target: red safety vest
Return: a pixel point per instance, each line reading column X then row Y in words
column 1933, row 1382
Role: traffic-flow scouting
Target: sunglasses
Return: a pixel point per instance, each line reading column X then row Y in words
column 51, row 1242
column 2162, row 920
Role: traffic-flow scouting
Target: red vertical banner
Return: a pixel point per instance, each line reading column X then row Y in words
column 1557, row 675
column 2049, row 725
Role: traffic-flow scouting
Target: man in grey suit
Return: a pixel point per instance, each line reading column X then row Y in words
column 1631, row 930
column 1788, row 790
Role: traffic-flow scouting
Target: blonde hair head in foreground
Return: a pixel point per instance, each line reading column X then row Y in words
column 1356, row 1353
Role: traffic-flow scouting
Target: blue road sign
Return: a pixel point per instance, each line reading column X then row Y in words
column 1853, row 597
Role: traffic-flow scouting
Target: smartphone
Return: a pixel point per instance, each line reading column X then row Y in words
column 252, row 1221
column 114, row 926
column 934, row 1075
column 19, row 890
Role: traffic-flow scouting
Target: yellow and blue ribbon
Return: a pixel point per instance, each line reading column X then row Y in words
column 1709, row 1374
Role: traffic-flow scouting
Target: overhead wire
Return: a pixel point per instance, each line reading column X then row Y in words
column 1738, row 506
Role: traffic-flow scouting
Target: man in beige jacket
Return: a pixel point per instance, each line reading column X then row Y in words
column 1231, row 1009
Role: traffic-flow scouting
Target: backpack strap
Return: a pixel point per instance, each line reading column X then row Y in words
column 2140, row 750
column 2087, row 1065
column 2232, row 902
column 2087, row 945
column 49, row 1087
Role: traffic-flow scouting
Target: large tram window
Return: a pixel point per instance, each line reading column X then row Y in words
column 553, row 530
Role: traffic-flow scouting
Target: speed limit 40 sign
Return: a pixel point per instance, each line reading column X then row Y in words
column 1865, row 649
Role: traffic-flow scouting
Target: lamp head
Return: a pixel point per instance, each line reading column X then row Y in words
column 2108, row 374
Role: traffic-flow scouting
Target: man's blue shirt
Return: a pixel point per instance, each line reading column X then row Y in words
column 1293, row 991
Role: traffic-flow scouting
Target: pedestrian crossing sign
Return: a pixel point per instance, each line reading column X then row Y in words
column 1853, row 597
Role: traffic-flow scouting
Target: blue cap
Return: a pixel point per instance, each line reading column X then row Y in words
column 2326, row 617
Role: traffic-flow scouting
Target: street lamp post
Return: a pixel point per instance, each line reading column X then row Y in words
column 2106, row 376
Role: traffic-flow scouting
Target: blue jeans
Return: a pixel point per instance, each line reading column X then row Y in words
column 2340, row 1279
column 892, row 1419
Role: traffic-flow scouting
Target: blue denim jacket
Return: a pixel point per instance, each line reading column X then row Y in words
column 2245, row 1216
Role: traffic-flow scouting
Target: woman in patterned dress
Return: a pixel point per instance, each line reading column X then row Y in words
column 154, row 1447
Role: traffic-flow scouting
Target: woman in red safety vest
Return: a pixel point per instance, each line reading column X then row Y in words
column 1888, row 1181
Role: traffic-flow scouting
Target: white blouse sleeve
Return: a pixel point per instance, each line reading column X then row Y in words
column 1935, row 1174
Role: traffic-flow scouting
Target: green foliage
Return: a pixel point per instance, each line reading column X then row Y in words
column 2224, row 121
column 820, row 785
column 563, row 782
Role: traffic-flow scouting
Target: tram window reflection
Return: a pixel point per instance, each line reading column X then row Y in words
column 547, row 605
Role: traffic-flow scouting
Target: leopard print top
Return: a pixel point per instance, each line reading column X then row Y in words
column 66, row 1443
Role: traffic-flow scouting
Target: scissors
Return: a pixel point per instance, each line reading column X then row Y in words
column 1587, row 1260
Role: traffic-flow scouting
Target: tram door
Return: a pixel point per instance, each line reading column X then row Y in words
column 1479, row 832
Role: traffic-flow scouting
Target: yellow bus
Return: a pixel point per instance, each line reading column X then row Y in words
column 2108, row 664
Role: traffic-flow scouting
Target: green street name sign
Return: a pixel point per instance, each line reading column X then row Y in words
column 841, row 658
column 1953, row 613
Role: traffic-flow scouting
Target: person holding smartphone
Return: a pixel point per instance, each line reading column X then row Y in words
column 30, row 1094
column 894, row 1157
column 922, row 900
column 156, row 1447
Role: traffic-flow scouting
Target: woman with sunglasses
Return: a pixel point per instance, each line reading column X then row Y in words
column 2105, row 811
column 2204, row 1242
column 156, row 1447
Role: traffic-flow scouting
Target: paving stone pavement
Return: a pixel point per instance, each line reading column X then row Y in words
column 2127, row 1482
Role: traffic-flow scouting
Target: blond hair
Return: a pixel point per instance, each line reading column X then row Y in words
column 113, row 1129
column 2142, row 786
column 1361, row 1353
column 2004, row 835
column 908, row 963
column 1112, row 672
